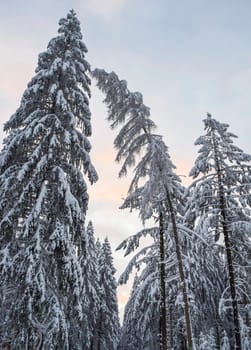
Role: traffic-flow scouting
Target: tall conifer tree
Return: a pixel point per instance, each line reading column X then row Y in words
column 220, row 203
column 161, row 191
column 44, row 198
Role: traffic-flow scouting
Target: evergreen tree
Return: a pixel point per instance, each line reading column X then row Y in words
column 162, row 190
column 91, row 288
column 207, row 341
column 130, row 339
column 141, row 320
column 220, row 205
column 44, row 198
column 225, row 342
column 107, row 327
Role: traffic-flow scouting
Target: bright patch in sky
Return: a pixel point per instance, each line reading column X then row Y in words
column 105, row 8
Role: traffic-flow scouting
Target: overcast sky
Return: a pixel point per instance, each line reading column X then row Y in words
column 187, row 57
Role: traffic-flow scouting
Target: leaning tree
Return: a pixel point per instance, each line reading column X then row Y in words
column 161, row 191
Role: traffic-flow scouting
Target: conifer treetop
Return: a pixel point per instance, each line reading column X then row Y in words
column 61, row 85
column 217, row 137
column 44, row 195
column 70, row 25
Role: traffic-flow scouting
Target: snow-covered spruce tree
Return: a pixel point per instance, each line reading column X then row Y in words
column 162, row 191
column 141, row 324
column 130, row 338
column 220, row 204
column 91, row 289
column 141, row 321
column 155, row 168
column 206, row 283
column 225, row 342
column 204, row 280
column 207, row 341
column 44, row 198
column 107, row 330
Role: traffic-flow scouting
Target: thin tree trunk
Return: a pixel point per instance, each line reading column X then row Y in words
column 171, row 325
column 245, row 300
column 163, row 333
column 180, row 267
column 223, row 212
column 181, row 272
column 231, row 273
column 217, row 332
column 99, row 331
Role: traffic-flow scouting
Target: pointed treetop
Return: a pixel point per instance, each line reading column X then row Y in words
column 90, row 226
column 107, row 254
column 90, row 241
column 98, row 245
column 211, row 123
column 70, row 24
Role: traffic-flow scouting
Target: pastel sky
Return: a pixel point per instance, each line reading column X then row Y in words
column 187, row 57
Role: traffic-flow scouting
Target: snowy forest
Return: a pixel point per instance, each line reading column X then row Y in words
column 191, row 284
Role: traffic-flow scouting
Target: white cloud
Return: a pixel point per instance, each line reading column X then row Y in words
column 104, row 8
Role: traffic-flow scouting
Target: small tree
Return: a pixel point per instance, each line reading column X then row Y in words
column 44, row 197
column 91, row 289
column 225, row 342
column 108, row 327
column 207, row 341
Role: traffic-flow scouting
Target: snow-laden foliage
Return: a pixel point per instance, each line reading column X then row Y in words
column 140, row 328
column 125, row 109
column 153, row 177
column 155, row 190
column 91, row 287
column 205, row 284
column 218, row 208
column 153, row 170
column 141, row 319
column 207, row 341
column 44, row 198
column 107, row 330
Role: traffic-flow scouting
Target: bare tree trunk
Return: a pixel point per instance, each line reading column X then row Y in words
column 99, row 331
column 230, row 272
column 171, row 325
column 223, row 212
column 163, row 333
column 181, row 272
column 245, row 301
column 217, row 332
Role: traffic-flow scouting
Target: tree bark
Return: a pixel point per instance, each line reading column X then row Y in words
column 245, row 301
column 218, row 340
column 163, row 333
column 181, row 272
column 99, row 331
column 171, row 325
column 223, row 212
